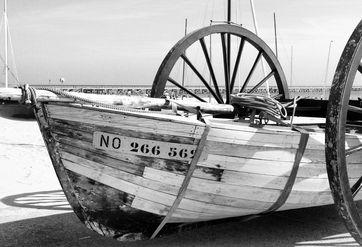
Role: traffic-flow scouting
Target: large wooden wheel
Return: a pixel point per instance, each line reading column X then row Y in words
column 343, row 136
column 236, row 53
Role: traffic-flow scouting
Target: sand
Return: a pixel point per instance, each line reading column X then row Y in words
column 34, row 211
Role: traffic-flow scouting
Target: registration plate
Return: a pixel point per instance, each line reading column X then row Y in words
column 143, row 147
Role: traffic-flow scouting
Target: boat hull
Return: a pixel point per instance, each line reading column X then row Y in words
column 10, row 109
column 122, row 171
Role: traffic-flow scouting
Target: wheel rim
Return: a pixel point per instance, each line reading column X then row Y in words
column 218, row 80
column 339, row 157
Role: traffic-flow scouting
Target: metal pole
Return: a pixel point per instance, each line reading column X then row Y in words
column 275, row 36
column 326, row 75
column 6, row 43
column 291, row 66
column 183, row 64
column 228, row 53
column 229, row 12
column 256, row 32
column 210, row 61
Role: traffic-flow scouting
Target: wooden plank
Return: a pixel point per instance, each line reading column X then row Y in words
column 252, row 193
column 85, row 149
column 220, row 127
column 145, row 114
column 257, row 152
column 77, row 127
column 270, row 153
column 274, row 139
column 211, row 198
column 310, row 198
column 222, row 199
column 119, row 120
column 139, row 186
column 275, row 182
column 202, row 185
column 102, row 159
column 233, row 165
column 180, row 214
column 231, row 177
column 251, row 180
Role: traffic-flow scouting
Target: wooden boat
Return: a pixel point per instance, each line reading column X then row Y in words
column 133, row 172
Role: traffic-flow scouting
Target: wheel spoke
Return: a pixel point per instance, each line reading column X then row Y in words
column 184, row 89
column 251, row 71
column 226, row 68
column 233, row 40
column 355, row 109
column 200, row 77
column 209, row 65
column 241, row 47
column 352, row 150
column 262, row 82
column 356, row 187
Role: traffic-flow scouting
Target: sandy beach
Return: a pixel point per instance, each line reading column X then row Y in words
column 34, row 211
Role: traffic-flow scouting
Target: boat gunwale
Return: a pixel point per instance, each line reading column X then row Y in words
column 144, row 114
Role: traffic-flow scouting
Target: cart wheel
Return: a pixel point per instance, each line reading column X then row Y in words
column 344, row 136
column 211, row 66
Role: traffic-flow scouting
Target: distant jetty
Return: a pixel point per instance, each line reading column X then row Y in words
column 306, row 91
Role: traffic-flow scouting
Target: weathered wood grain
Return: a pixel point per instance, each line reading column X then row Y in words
column 73, row 128
column 179, row 214
column 85, row 149
column 144, row 188
column 233, row 165
column 273, row 136
column 126, row 121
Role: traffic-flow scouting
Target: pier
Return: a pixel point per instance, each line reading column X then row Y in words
column 145, row 90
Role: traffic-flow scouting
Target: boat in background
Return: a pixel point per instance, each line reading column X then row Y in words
column 8, row 108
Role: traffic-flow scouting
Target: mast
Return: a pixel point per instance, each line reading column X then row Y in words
column 6, row 43
column 183, row 64
column 256, row 32
column 326, row 75
column 275, row 35
column 228, row 52
column 291, row 66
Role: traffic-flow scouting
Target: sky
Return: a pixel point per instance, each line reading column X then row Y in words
column 124, row 41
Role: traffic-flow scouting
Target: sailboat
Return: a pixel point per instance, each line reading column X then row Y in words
column 9, row 108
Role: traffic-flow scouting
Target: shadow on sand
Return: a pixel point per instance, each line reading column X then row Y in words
column 318, row 226
column 52, row 200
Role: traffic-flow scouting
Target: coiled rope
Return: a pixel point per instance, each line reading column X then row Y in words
column 261, row 103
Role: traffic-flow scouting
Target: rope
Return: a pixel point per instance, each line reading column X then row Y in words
column 86, row 100
column 260, row 102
